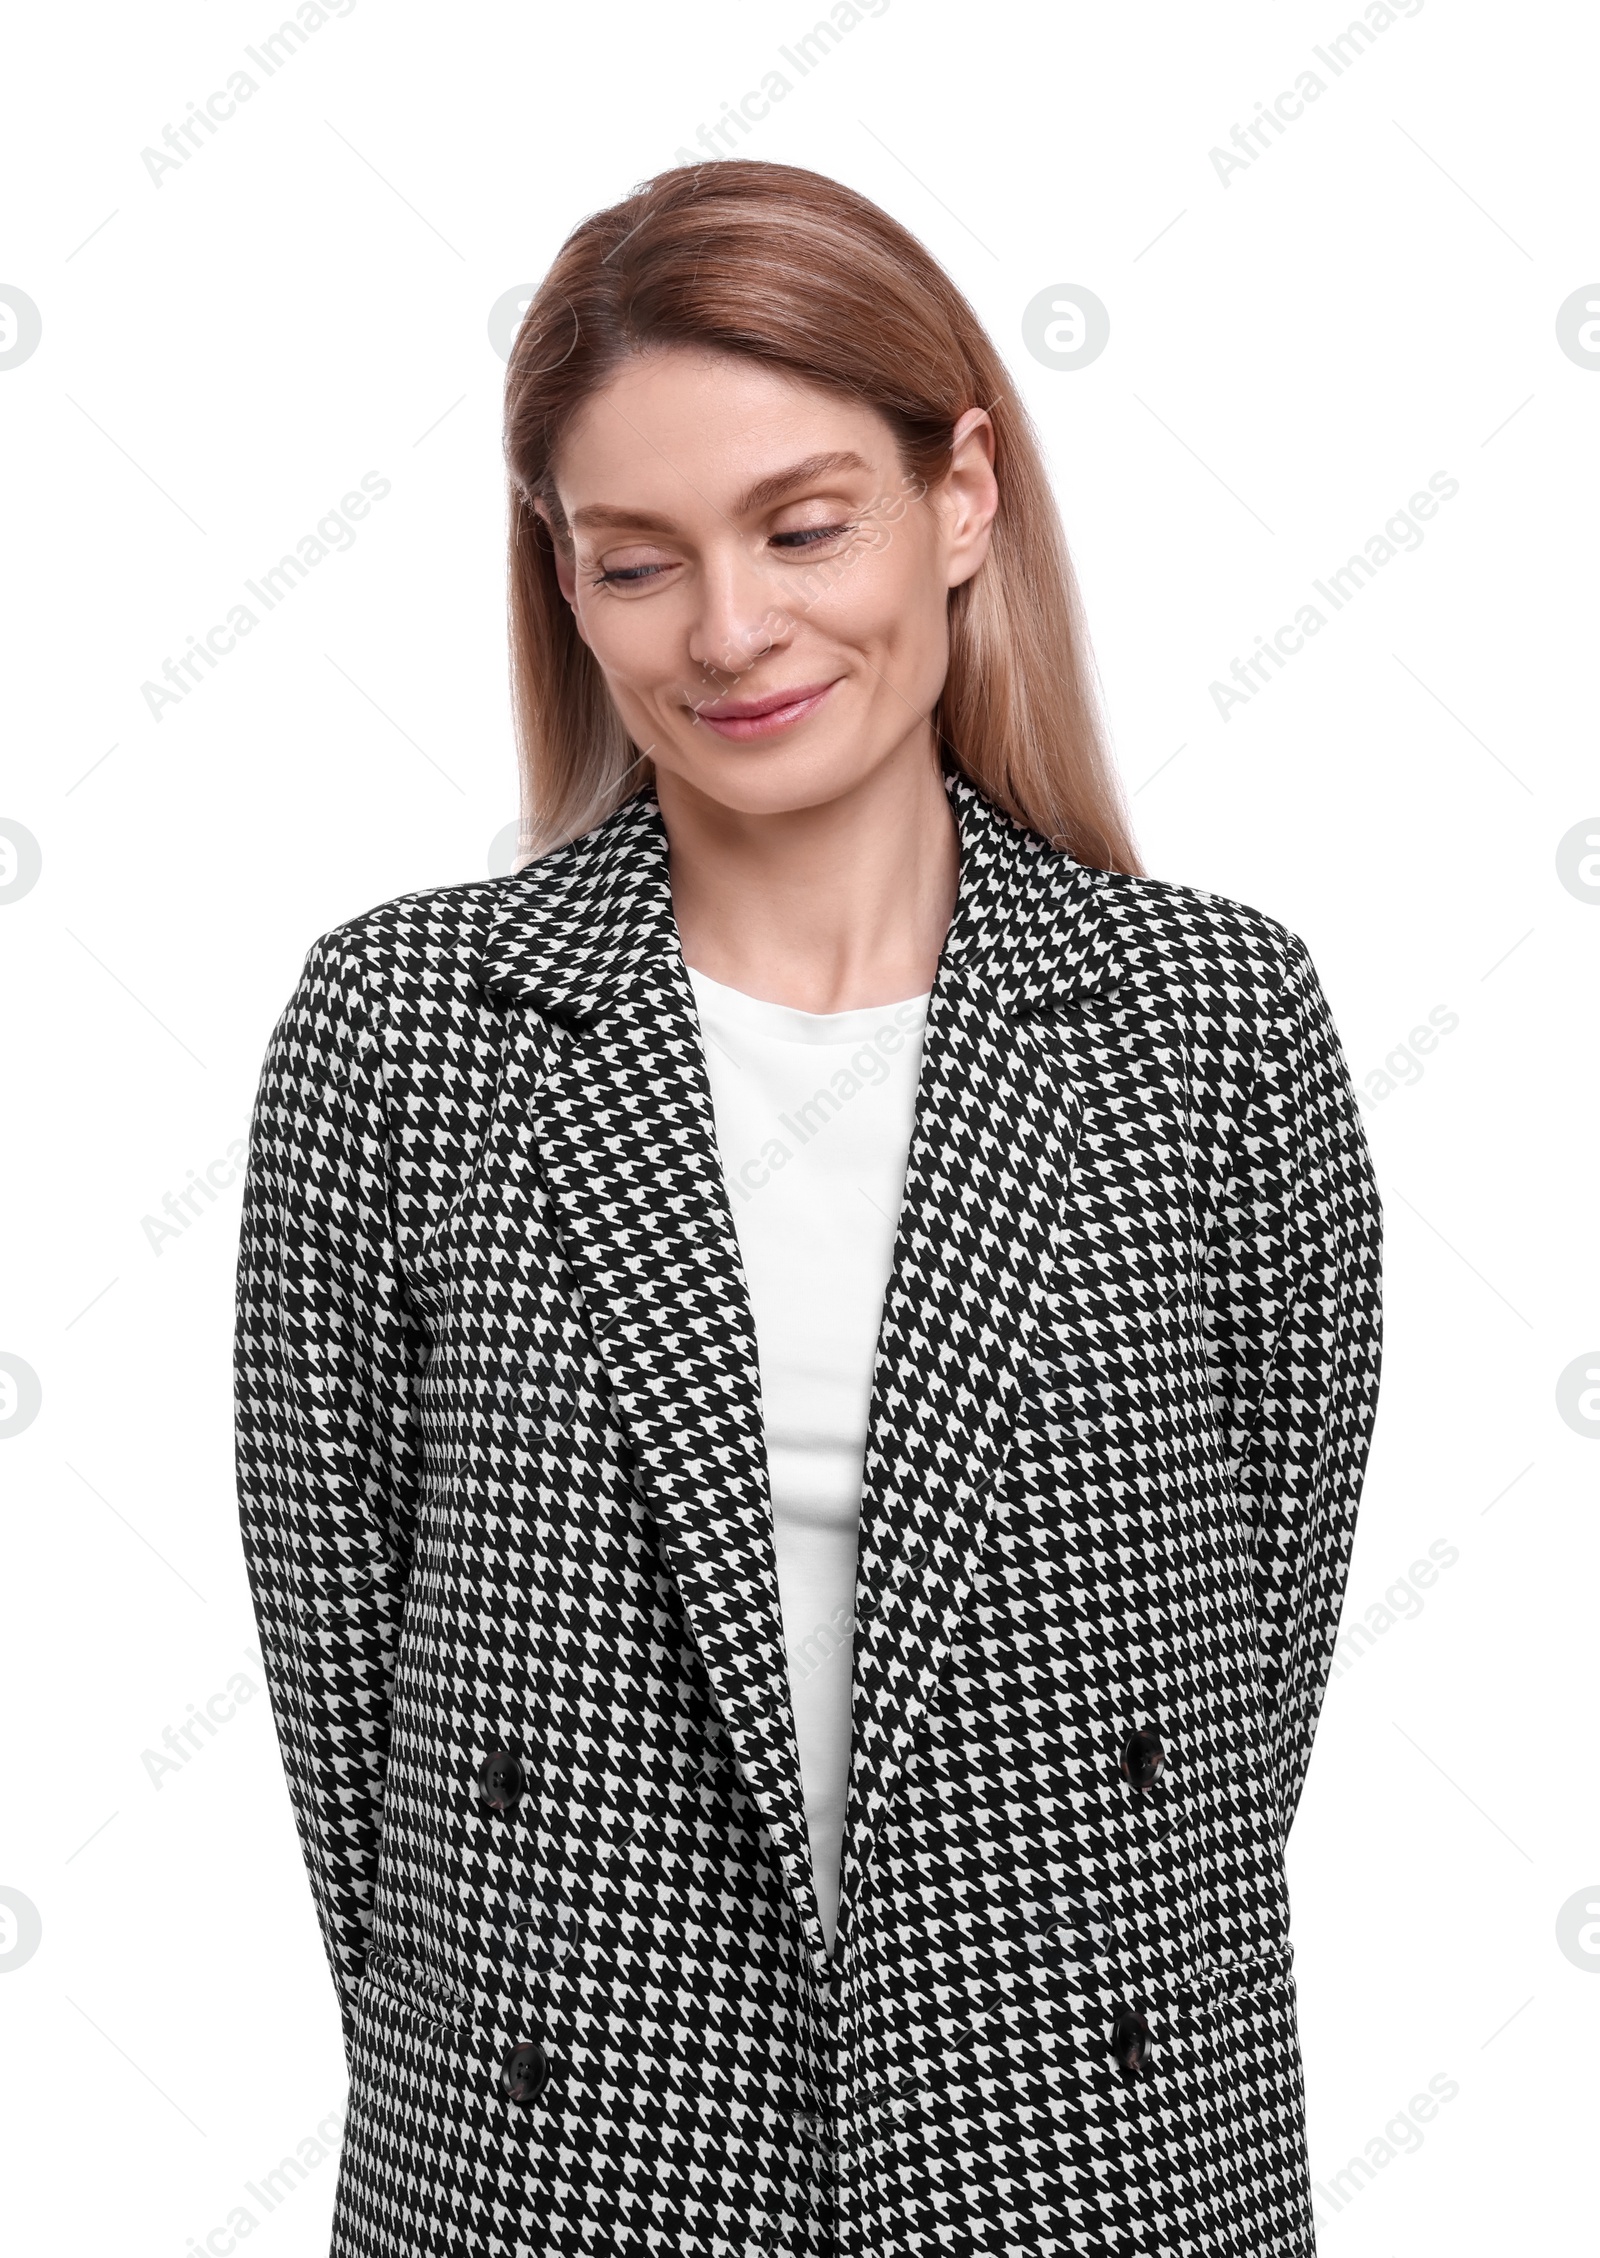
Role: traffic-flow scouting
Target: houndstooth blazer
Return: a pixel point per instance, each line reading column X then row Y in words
column 507, row 1524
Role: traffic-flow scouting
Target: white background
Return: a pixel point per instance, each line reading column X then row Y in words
column 1293, row 352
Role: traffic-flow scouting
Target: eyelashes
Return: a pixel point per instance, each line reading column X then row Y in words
column 809, row 535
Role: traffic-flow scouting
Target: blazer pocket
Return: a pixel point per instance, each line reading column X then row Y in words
column 397, row 1990
column 436, row 2126
column 1218, row 1982
column 414, row 1992
column 1170, row 2025
column 1197, row 1982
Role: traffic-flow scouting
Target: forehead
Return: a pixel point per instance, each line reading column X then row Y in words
column 688, row 434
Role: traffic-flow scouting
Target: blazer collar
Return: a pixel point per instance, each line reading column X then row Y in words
column 1027, row 929
column 590, row 920
column 594, row 919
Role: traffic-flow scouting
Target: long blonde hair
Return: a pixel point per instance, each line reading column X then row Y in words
column 790, row 268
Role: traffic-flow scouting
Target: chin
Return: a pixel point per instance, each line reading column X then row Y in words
column 748, row 780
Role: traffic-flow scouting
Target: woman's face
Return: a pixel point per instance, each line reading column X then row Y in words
column 763, row 585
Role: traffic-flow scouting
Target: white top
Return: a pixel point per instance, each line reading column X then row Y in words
column 813, row 1114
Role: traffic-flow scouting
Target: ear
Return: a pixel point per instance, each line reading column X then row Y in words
column 969, row 495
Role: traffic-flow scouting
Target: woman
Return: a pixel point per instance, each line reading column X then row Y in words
column 805, row 1362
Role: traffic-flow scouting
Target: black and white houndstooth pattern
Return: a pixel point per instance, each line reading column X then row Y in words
column 503, row 1489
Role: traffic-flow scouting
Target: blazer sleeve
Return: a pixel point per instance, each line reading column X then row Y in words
column 327, row 1359
column 1295, row 1307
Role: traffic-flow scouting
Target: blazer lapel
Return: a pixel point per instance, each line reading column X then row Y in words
column 623, row 1123
column 989, row 1168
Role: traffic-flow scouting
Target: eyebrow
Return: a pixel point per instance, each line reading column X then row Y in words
column 760, row 496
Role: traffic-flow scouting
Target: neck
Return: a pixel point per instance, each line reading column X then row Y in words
column 830, row 908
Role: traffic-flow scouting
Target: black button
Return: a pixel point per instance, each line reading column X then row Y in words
column 1143, row 1758
column 500, row 1781
column 526, row 2072
column 1130, row 2041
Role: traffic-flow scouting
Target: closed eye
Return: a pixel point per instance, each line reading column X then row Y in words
column 802, row 538
column 622, row 575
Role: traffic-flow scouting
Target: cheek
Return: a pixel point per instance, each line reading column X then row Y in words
column 638, row 645
column 885, row 599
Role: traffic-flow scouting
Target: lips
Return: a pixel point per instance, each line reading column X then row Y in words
column 741, row 719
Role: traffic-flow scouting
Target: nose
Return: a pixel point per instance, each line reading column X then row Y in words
column 737, row 622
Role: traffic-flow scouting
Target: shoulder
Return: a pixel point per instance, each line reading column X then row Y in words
column 389, row 1015
column 1233, row 989
column 410, row 943
column 1193, row 944
column 423, row 952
